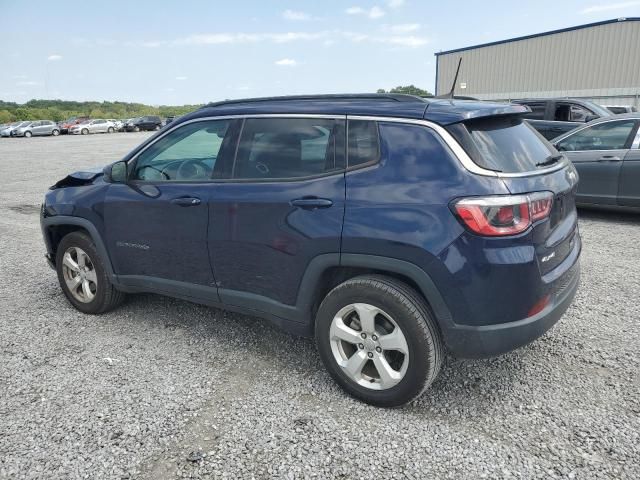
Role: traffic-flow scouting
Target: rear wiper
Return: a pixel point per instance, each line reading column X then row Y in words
column 550, row 160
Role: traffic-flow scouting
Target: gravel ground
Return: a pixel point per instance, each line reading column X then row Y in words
column 162, row 388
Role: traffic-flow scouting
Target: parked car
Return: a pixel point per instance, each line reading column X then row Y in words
column 555, row 116
column 67, row 124
column 148, row 122
column 618, row 109
column 117, row 124
column 37, row 128
column 386, row 226
column 168, row 120
column 606, row 153
column 7, row 130
column 98, row 125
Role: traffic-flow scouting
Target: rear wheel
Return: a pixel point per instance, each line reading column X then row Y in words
column 55, row 132
column 82, row 275
column 136, row 129
column 378, row 339
column 110, row 130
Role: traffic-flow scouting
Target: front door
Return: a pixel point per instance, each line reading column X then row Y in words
column 282, row 208
column 597, row 153
column 158, row 222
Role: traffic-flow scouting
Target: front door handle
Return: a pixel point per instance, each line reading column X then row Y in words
column 186, row 201
column 311, row 203
column 609, row 158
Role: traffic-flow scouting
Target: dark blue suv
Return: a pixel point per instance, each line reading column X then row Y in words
column 387, row 226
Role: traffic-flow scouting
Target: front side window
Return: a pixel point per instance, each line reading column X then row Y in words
column 603, row 136
column 188, row 153
column 284, row 148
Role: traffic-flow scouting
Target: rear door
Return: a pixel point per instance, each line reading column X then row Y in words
column 597, row 152
column 282, row 208
column 629, row 191
column 158, row 221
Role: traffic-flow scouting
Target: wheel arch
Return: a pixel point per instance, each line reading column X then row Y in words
column 327, row 271
column 56, row 227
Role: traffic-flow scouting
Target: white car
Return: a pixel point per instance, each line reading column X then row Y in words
column 7, row 130
column 117, row 124
column 98, row 125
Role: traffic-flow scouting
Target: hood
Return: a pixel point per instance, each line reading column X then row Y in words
column 79, row 178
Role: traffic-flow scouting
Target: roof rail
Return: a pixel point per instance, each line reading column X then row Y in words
column 384, row 97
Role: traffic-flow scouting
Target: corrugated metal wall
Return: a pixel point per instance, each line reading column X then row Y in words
column 598, row 61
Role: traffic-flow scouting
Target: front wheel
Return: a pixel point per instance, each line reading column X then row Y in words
column 378, row 340
column 110, row 130
column 82, row 275
column 27, row 134
column 84, row 131
column 136, row 129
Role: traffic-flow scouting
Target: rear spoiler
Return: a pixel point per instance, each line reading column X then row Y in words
column 446, row 112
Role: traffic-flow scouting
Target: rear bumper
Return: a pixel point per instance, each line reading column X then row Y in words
column 490, row 340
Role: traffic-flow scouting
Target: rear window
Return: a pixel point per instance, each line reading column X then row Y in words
column 504, row 144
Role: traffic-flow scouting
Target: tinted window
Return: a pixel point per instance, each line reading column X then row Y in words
column 537, row 110
column 286, row 148
column 363, row 143
column 503, row 144
column 187, row 153
column 604, row 136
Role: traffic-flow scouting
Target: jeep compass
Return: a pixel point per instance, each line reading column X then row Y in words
column 387, row 227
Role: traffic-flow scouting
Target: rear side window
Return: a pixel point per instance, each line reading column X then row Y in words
column 363, row 142
column 286, row 148
column 538, row 110
column 504, row 144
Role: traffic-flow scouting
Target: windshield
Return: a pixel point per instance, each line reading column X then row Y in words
column 503, row 144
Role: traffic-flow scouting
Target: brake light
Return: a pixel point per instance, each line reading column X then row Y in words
column 503, row 215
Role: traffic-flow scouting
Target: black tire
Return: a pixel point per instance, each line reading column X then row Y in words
column 107, row 297
column 27, row 134
column 55, row 132
column 110, row 130
column 84, row 131
column 411, row 313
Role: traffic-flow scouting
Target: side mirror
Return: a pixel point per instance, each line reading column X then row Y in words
column 117, row 172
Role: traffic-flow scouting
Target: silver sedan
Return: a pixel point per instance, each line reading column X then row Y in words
column 98, row 125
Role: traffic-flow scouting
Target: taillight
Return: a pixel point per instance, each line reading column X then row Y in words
column 503, row 214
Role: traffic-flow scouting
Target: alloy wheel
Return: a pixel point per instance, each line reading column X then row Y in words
column 369, row 346
column 79, row 274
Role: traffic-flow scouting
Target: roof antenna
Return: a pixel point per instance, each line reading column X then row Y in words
column 453, row 85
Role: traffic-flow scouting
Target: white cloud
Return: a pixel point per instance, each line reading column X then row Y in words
column 295, row 16
column 395, row 3
column 605, row 7
column 286, row 62
column 228, row 38
column 181, row 77
column 54, row 58
column 408, row 41
column 373, row 12
column 403, row 28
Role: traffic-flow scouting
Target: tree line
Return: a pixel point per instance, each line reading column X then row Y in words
column 58, row 110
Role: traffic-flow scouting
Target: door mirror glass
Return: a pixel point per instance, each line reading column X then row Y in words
column 119, row 172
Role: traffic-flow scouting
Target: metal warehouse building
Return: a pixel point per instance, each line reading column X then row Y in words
column 598, row 61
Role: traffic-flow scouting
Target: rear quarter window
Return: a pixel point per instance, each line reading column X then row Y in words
column 506, row 144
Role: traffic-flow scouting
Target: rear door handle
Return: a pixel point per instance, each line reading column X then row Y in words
column 609, row 158
column 311, row 203
column 186, row 201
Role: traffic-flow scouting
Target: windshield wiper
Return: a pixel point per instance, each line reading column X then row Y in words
column 550, row 160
